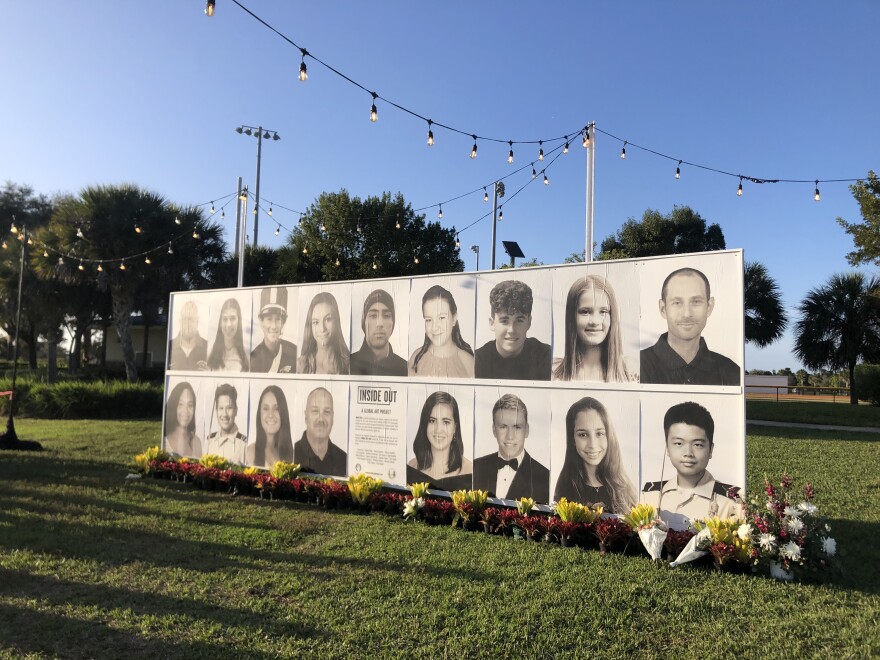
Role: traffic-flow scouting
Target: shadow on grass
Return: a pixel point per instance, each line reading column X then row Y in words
column 28, row 630
column 794, row 433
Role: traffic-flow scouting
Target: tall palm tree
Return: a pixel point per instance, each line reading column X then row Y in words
column 765, row 317
column 840, row 325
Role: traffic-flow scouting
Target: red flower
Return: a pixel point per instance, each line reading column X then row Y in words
column 786, row 480
column 809, row 493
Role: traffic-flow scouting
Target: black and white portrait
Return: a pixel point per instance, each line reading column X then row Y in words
column 440, row 420
column 225, row 411
column 514, row 320
column 692, row 320
column 595, row 448
column 188, row 329
column 270, row 437
column 183, row 427
column 441, row 331
column 231, row 322
column 512, row 442
column 595, row 321
column 274, row 351
column 325, row 316
column 321, row 427
column 693, row 452
column 379, row 328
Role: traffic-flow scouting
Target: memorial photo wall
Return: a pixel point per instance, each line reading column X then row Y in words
column 600, row 382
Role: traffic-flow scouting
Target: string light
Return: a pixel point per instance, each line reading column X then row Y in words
column 739, row 191
column 485, row 194
column 195, row 234
column 430, row 134
column 337, row 261
column 586, row 141
column 209, row 8
column 13, row 228
column 546, row 180
column 223, row 215
column 816, row 194
column 5, row 245
column 79, row 232
column 474, row 148
column 500, row 214
column 122, row 265
column 541, row 150
column 534, row 174
column 416, row 260
column 270, row 210
column 147, row 261
column 30, row 241
column 623, row 150
column 81, row 267
column 176, row 220
column 170, row 249
column 303, row 71
column 510, row 153
column 374, row 113
column 457, row 242
column 137, row 229
column 60, row 261
column 323, row 228
column 565, row 148
column 243, row 195
column 440, row 213
column 277, row 230
column 397, row 224
column 678, row 171
column 213, row 210
column 375, row 266
column 45, row 252
column 100, row 267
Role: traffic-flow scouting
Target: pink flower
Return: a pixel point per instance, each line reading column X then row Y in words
column 786, row 480
column 809, row 493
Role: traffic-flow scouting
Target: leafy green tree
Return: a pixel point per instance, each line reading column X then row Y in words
column 766, row 319
column 865, row 234
column 802, row 377
column 341, row 237
column 679, row 232
column 111, row 226
column 839, row 325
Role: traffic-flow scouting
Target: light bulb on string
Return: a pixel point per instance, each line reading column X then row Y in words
column 623, row 150
column 223, row 215
column 510, row 153
column 541, row 150
column 213, row 210
column 176, row 220
column 30, row 241
column 416, row 260
column 79, row 233
column 195, row 234
column 374, row 112
column 305, row 250
column 474, row 148
column 45, row 252
column 586, row 141
column 500, row 214
column 81, row 267
column 816, row 194
column 430, row 134
column 137, row 229
column 5, row 245
column 534, row 173
column 60, row 261
column 277, row 230
column 546, row 180
column 457, row 242
column 100, row 267
column 170, row 249
column 13, row 228
column 323, row 228
column 270, row 210
column 678, row 171
column 397, row 224
column 122, row 265
column 739, row 191
column 337, row 261
column 303, row 71
column 147, row 261
column 440, row 213
column 565, row 148
column 485, row 194
column 21, row 237
column 209, row 7
column 375, row 266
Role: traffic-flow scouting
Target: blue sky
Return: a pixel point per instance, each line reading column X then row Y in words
column 150, row 92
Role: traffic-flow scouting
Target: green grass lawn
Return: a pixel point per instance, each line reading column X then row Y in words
column 92, row 565
column 810, row 412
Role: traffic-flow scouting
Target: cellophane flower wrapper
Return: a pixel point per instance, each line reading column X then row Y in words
column 652, row 538
column 691, row 551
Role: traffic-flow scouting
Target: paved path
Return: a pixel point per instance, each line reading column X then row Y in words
column 819, row 427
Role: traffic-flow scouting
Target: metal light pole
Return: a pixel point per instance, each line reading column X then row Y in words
column 257, row 131
column 476, row 248
column 591, row 173
column 241, row 233
column 498, row 190
column 9, row 440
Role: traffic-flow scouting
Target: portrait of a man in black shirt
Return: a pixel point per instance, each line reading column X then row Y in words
column 376, row 357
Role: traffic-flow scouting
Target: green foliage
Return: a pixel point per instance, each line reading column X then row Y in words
column 143, row 461
column 868, row 383
column 681, row 231
column 569, row 511
column 865, row 234
column 85, row 400
column 765, row 317
column 359, row 234
column 153, row 568
column 419, row 489
column 214, row 461
column 285, row 470
column 839, row 324
column 362, row 486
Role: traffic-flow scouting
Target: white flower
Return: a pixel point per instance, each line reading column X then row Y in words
column 744, row 531
column 767, row 542
column 776, row 571
column 808, row 507
column 827, row 527
column 829, row 545
column 795, row 525
column 792, row 550
column 412, row 506
column 791, row 512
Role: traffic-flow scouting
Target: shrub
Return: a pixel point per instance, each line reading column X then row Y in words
column 84, row 400
column 867, row 383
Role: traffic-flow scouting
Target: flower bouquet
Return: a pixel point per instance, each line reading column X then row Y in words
column 643, row 520
column 791, row 539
